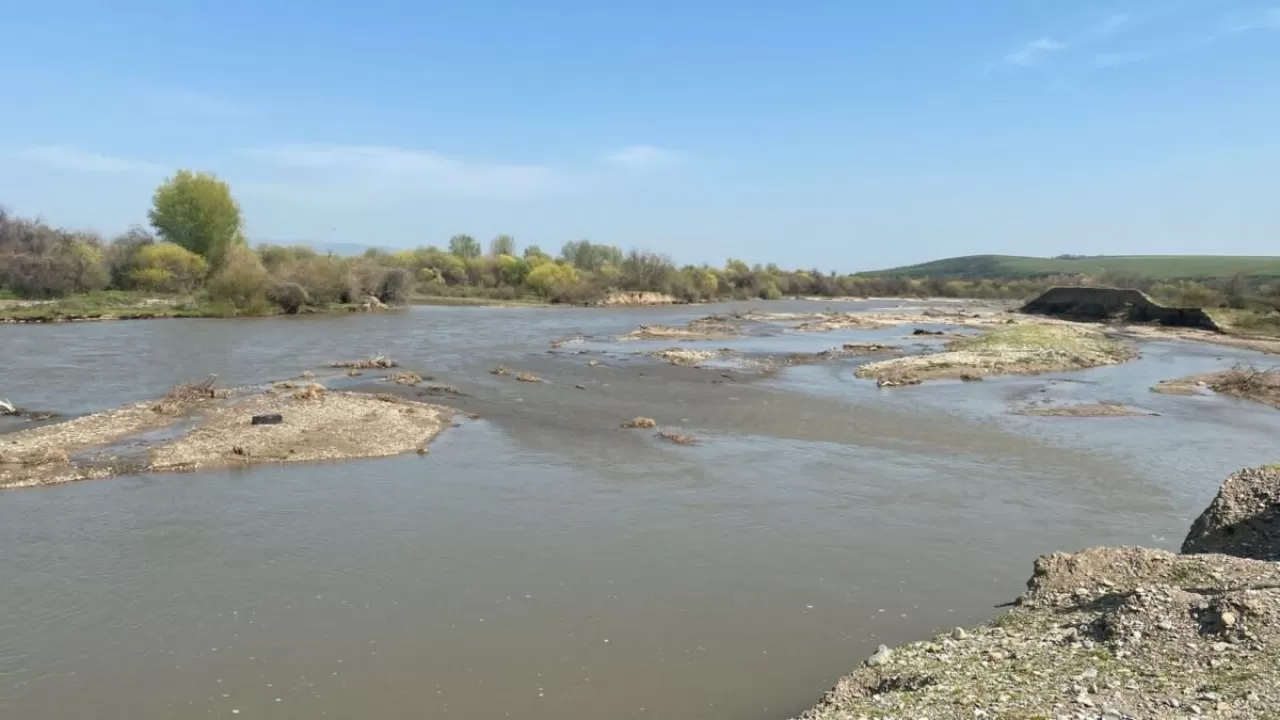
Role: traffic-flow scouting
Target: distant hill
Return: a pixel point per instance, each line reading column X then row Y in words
column 1160, row 267
column 324, row 248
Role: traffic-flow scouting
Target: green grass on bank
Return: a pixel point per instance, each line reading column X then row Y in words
column 1160, row 267
column 128, row 304
column 1035, row 337
column 473, row 301
column 111, row 303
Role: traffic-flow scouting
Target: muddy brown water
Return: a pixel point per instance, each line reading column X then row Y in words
column 542, row 562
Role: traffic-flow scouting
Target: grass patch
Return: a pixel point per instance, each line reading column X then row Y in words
column 1247, row 322
column 458, row 300
column 129, row 304
column 1036, row 336
column 1020, row 349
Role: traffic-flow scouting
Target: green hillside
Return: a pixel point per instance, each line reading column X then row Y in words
column 1160, row 267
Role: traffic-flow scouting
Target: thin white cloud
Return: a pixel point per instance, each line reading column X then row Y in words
column 1032, row 54
column 68, row 158
column 1112, row 24
column 404, row 171
column 643, row 157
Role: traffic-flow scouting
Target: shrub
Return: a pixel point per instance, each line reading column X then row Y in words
column 548, row 278
column 242, row 281
column 86, row 264
column 121, row 255
column 513, row 269
column 770, row 291
column 289, row 296
column 43, row 262
column 166, row 267
column 395, row 286
column 326, row 279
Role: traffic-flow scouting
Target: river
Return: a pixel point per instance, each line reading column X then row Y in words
column 542, row 562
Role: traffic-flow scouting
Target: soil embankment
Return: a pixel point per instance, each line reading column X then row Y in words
column 638, row 298
column 1109, row 304
column 188, row 431
column 1108, row 633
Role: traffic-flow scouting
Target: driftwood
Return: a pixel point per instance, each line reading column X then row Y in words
column 7, row 408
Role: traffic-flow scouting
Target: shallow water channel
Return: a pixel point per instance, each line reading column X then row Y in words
column 544, row 563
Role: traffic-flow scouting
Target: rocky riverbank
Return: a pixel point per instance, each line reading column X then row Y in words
column 1110, row 633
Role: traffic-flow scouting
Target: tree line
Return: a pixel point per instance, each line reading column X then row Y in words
column 195, row 246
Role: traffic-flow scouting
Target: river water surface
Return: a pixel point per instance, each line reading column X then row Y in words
column 541, row 562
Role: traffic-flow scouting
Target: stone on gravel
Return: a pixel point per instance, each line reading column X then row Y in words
column 881, row 656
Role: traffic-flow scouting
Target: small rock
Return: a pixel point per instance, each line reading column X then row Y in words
column 1165, row 625
column 1083, row 699
column 959, row 634
column 269, row 419
column 881, row 657
column 1228, row 619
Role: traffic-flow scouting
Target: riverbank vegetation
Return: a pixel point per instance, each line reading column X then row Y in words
column 194, row 260
column 1241, row 381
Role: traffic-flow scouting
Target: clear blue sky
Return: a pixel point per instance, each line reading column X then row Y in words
column 844, row 135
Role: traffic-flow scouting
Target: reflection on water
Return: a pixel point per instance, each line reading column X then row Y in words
column 544, row 563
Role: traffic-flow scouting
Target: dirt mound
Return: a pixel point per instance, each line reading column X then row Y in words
column 638, row 298
column 1105, row 304
column 1243, row 519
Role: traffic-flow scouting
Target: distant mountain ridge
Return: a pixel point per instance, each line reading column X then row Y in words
column 1161, row 267
column 345, row 249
